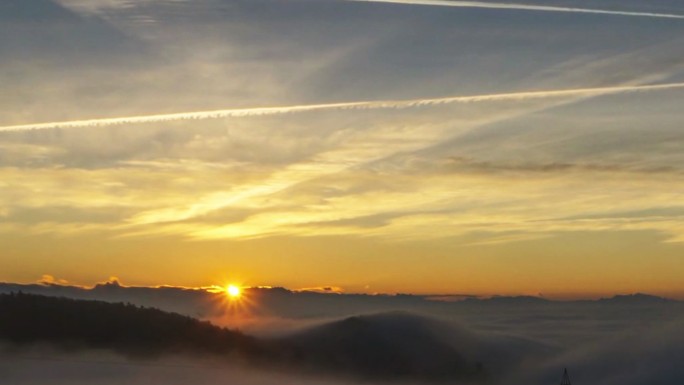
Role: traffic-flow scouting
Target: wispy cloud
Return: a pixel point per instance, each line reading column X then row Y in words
column 524, row 7
column 358, row 105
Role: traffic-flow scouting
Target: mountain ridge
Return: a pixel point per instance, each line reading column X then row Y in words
column 378, row 347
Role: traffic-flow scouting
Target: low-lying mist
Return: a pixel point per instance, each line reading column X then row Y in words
column 601, row 343
column 47, row 366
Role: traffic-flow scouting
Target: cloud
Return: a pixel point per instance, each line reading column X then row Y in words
column 349, row 148
column 386, row 104
column 455, row 180
column 464, row 164
column 104, row 368
column 322, row 289
column 47, row 279
column 523, row 7
column 643, row 354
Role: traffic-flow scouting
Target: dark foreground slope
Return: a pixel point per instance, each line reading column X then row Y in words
column 124, row 328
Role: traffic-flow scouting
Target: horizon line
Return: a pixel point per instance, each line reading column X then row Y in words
column 433, row 297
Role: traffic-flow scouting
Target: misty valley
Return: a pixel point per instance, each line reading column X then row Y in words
column 104, row 335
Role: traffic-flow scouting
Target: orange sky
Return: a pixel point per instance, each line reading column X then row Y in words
column 549, row 267
column 450, row 150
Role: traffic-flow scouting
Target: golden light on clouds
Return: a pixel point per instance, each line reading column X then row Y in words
column 397, row 189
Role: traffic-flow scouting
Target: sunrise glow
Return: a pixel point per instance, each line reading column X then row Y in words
column 233, row 291
column 481, row 192
column 379, row 146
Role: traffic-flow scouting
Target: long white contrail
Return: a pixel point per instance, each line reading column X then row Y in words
column 363, row 105
column 524, row 7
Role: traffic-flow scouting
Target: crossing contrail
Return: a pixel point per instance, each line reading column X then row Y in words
column 524, row 7
column 361, row 105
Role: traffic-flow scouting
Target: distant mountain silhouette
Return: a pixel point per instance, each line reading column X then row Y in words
column 509, row 300
column 281, row 302
column 638, row 298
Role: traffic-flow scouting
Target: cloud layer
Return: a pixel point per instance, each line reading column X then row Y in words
column 503, row 177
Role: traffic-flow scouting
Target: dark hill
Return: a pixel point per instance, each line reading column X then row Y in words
column 125, row 328
column 391, row 345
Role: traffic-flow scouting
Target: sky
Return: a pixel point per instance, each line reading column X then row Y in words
column 376, row 146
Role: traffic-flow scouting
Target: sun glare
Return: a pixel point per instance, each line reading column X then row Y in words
column 233, row 291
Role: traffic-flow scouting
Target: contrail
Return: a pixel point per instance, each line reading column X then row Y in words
column 524, row 7
column 362, row 105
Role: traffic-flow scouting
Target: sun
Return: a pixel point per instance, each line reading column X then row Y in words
column 233, row 291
